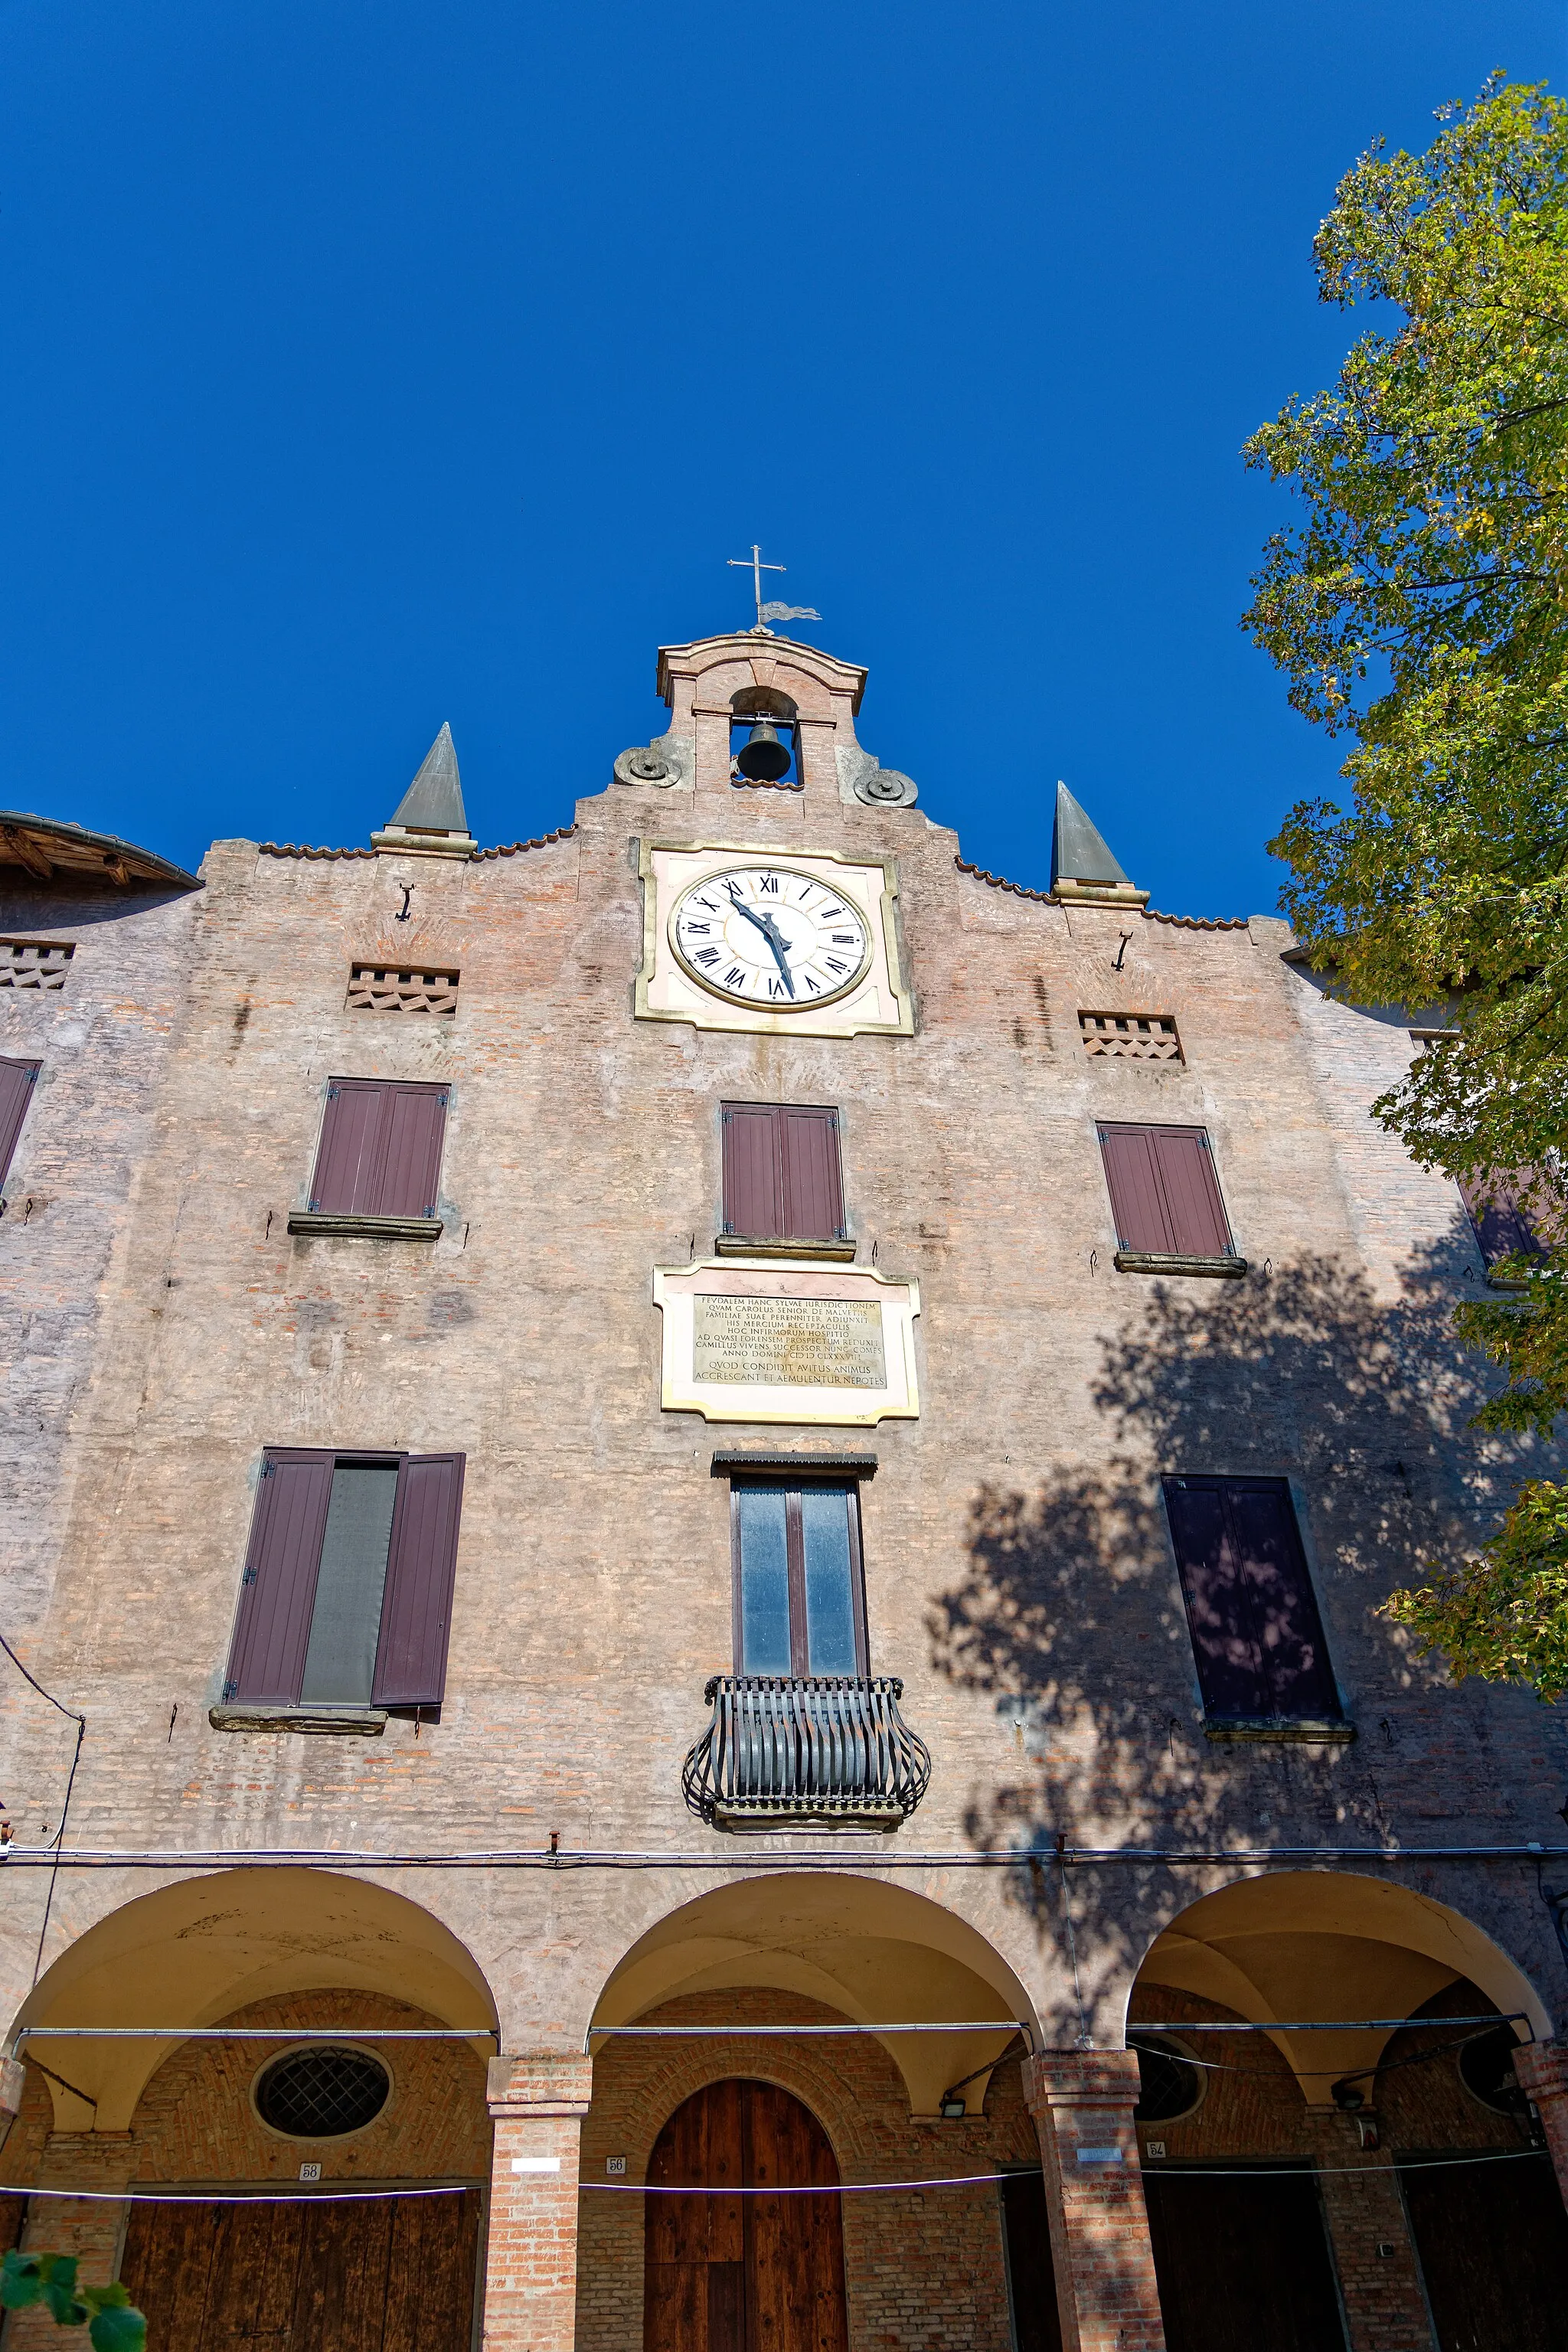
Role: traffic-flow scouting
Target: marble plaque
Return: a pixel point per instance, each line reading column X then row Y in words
column 747, row 1339
column 823, row 1343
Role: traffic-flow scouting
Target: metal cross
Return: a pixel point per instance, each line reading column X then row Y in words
column 753, row 565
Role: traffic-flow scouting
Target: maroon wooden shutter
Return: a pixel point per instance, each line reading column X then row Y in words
column 813, row 1184
column 1183, row 1164
column 346, row 1162
column 1165, row 1193
column 273, row 1626
column 1284, row 1606
column 1257, row 1633
column 16, row 1093
column 1500, row 1212
column 380, row 1153
column 417, row 1613
column 414, row 1120
column 1136, row 1202
column 754, row 1204
column 1230, row 1668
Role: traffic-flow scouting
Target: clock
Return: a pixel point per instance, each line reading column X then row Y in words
column 771, row 940
column 770, row 936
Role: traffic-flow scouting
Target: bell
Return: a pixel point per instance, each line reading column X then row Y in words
column 764, row 759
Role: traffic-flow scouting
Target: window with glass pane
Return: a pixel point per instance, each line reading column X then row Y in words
column 347, row 1593
column 797, row 1578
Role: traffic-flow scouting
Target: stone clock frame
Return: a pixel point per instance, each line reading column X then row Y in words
column 878, row 1004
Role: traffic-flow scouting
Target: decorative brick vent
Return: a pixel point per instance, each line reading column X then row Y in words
column 1130, row 1036
column 34, row 963
column 376, row 989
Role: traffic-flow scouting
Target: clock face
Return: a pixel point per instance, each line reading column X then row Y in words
column 770, row 935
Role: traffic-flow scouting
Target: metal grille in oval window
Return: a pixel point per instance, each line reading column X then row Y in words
column 1169, row 2084
column 322, row 2094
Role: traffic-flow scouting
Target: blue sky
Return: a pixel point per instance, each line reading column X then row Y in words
column 372, row 365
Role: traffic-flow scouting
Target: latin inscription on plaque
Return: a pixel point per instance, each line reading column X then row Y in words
column 826, row 1343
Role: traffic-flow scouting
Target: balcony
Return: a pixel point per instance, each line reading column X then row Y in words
column 833, row 1748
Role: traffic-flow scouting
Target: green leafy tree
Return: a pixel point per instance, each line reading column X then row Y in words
column 1420, row 609
column 112, row 2322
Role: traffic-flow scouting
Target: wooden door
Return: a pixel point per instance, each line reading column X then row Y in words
column 385, row 2275
column 1242, row 2262
column 1493, row 2243
column 732, row 2273
column 1031, row 2272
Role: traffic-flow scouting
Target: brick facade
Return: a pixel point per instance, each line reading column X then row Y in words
column 1020, row 1576
column 103, row 1037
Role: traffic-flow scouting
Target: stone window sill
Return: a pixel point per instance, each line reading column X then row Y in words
column 328, row 1722
column 384, row 1229
column 1324, row 1730
column 1226, row 1269
column 737, row 1245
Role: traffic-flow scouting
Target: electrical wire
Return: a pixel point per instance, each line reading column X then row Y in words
column 969, row 2179
column 1384, row 2067
column 38, row 1686
column 1009, row 2025
column 258, row 2033
column 260, row 2197
column 834, row 2188
column 73, row 1715
column 59, row 1834
column 19, row 1857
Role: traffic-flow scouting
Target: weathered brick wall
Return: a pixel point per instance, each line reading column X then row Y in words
column 1405, row 1219
column 924, row 2267
column 86, row 1144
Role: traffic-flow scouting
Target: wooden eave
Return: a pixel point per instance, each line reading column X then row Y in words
column 49, row 850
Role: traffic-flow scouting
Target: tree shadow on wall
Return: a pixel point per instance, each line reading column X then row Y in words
column 1069, row 1618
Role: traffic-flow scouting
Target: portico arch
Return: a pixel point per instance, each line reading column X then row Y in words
column 870, row 1952
column 1317, row 1945
column 196, row 1953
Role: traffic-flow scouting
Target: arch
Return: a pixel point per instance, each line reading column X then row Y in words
column 716, row 2275
column 196, row 1952
column 763, row 702
column 1306, row 1945
column 866, row 1951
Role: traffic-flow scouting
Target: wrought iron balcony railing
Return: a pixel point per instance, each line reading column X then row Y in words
column 830, row 1749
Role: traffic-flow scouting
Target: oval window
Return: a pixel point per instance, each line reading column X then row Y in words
column 1169, row 2084
column 1486, row 2070
column 322, row 2094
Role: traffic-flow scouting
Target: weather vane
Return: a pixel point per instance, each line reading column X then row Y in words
column 765, row 613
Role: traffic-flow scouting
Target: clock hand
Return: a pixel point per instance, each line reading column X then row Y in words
column 776, row 942
column 770, row 932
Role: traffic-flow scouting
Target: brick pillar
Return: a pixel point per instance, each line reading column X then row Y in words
column 1082, row 2103
column 1380, row 2278
column 1541, row 2069
column 531, row 2270
column 61, row 2225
